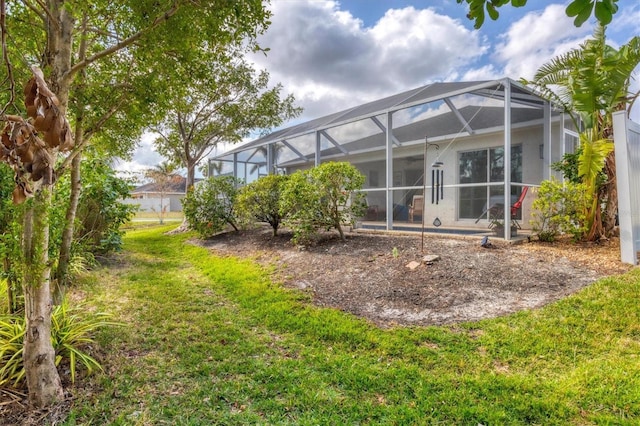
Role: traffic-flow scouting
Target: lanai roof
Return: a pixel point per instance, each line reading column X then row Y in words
column 482, row 116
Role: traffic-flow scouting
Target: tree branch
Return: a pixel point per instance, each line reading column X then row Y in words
column 45, row 9
column 5, row 57
column 124, row 43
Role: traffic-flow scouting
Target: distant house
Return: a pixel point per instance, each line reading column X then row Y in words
column 453, row 152
column 155, row 197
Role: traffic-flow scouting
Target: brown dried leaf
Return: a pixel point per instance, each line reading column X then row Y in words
column 6, row 141
column 43, row 89
column 32, row 111
column 18, row 196
column 48, row 121
column 30, row 95
column 66, row 139
column 26, row 152
column 42, row 165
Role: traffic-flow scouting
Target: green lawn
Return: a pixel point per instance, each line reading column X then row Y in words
column 155, row 217
column 213, row 341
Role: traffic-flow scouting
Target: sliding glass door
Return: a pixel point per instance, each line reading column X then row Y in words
column 485, row 166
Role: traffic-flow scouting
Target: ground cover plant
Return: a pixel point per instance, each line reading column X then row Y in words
column 213, row 340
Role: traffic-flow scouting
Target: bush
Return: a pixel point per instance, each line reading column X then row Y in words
column 209, row 206
column 100, row 213
column 558, row 209
column 326, row 196
column 71, row 330
column 260, row 200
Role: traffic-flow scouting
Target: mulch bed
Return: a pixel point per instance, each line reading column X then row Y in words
column 367, row 274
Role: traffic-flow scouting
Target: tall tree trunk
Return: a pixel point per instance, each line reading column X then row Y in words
column 611, row 190
column 191, row 177
column 190, row 182
column 61, row 276
column 43, row 380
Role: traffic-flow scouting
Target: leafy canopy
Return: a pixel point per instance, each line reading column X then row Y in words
column 581, row 10
column 222, row 105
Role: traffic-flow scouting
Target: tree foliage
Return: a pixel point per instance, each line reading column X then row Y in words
column 223, row 106
column 592, row 82
column 580, row 10
column 326, row 196
column 261, row 199
column 92, row 53
column 101, row 212
column 10, row 232
column 209, row 206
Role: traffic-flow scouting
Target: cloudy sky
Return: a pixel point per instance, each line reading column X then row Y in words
column 332, row 55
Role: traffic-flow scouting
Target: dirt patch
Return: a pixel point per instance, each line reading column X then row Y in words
column 367, row 275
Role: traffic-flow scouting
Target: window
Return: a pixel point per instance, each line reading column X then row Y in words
column 484, row 166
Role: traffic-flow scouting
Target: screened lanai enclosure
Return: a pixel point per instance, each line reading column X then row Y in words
column 444, row 157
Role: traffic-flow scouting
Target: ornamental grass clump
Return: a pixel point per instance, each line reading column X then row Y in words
column 71, row 336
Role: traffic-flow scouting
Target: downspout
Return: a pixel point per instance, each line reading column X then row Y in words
column 270, row 168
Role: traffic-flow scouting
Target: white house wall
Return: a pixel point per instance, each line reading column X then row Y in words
column 409, row 160
column 172, row 203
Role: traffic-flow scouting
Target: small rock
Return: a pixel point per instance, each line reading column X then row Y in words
column 413, row 265
column 430, row 258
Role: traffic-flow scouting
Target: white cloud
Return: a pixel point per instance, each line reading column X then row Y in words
column 331, row 61
column 536, row 38
column 144, row 157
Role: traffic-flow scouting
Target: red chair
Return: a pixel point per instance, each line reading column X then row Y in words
column 517, row 206
column 496, row 211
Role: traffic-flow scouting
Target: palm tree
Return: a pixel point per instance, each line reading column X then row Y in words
column 164, row 175
column 591, row 83
column 263, row 150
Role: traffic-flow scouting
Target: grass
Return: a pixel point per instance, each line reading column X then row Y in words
column 155, row 217
column 214, row 341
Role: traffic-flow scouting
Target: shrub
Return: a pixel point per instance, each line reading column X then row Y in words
column 10, row 240
column 558, row 209
column 100, row 214
column 71, row 330
column 260, row 200
column 326, row 196
column 209, row 206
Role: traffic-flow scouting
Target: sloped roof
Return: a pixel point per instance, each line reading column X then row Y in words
column 177, row 185
column 447, row 124
column 407, row 99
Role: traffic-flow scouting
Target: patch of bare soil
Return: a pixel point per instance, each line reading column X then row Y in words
column 367, row 274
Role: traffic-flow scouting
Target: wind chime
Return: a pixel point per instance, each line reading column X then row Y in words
column 437, row 184
column 437, row 187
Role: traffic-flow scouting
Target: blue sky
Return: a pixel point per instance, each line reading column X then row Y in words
column 332, row 55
